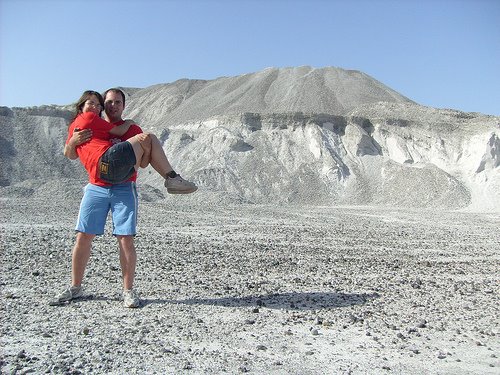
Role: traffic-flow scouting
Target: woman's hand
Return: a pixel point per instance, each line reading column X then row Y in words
column 129, row 122
column 120, row 130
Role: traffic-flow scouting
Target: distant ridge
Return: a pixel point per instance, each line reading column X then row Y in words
column 325, row 136
column 305, row 89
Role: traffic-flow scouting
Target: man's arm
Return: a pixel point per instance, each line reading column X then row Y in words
column 78, row 137
column 146, row 159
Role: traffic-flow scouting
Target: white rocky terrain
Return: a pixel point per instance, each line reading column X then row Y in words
column 296, row 135
column 339, row 228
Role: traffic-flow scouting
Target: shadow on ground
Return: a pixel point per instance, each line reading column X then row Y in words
column 285, row 301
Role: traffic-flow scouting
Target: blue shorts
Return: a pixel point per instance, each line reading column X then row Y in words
column 117, row 163
column 97, row 201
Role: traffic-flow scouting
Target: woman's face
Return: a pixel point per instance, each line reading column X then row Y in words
column 92, row 105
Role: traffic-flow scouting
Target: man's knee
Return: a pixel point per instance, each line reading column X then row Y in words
column 84, row 238
column 126, row 243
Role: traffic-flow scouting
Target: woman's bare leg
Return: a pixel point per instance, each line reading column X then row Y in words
column 174, row 183
column 158, row 159
column 145, row 141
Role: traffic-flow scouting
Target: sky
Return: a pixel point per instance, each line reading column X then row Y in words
column 438, row 53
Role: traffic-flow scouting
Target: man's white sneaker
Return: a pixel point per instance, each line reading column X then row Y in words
column 68, row 294
column 131, row 299
column 178, row 185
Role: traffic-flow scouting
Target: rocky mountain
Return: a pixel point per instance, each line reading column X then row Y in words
column 289, row 90
column 291, row 135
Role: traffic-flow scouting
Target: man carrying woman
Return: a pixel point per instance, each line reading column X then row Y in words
column 111, row 151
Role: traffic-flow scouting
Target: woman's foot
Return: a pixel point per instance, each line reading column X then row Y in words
column 175, row 184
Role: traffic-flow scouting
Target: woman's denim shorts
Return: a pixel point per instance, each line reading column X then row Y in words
column 117, row 163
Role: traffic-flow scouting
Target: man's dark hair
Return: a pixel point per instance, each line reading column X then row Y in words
column 116, row 91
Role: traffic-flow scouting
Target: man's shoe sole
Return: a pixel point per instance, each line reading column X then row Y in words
column 64, row 302
column 134, row 306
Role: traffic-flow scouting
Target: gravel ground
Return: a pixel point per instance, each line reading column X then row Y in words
column 255, row 289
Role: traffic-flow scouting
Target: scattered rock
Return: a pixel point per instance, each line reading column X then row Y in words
column 188, row 327
column 422, row 324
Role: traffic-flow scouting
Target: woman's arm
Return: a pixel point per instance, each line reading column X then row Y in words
column 121, row 129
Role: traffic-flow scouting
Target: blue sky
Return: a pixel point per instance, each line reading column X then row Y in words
column 444, row 54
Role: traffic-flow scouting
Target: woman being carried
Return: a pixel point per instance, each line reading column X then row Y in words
column 115, row 163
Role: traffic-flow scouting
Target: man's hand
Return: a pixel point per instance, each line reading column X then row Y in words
column 79, row 137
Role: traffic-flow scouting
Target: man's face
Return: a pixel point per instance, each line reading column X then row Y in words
column 113, row 106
